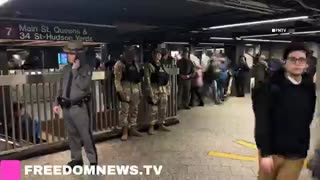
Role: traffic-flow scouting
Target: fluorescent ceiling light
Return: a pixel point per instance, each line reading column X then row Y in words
column 267, row 40
column 211, row 44
column 2, row 2
column 257, row 22
column 306, row 32
column 183, row 43
column 281, row 34
column 249, row 44
column 262, row 35
column 221, row 38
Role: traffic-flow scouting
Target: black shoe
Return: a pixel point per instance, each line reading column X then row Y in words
column 74, row 163
column 201, row 104
column 191, row 104
column 95, row 170
column 187, row 107
column 93, row 164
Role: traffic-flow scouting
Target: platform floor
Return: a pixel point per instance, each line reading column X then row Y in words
column 184, row 151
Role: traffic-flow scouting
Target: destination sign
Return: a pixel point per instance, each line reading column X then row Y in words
column 52, row 32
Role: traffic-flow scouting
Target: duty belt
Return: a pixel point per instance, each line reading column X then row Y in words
column 67, row 103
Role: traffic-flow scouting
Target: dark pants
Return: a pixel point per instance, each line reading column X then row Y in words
column 221, row 84
column 240, row 86
column 195, row 91
column 184, row 87
column 227, row 84
column 77, row 122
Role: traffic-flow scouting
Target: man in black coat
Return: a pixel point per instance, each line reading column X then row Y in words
column 284, row 106
column 186, row 73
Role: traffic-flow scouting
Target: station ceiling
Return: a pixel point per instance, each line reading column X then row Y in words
column 173, row 20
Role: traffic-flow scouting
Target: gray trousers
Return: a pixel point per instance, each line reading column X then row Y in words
column 184, row 89
column 78, row 125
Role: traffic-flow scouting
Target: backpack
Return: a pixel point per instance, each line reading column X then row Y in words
column 135, row 64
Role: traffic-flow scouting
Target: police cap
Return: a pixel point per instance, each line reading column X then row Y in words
column 74, row 47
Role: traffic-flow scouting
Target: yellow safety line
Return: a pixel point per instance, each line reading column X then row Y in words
column 232, row 156
column 246, row 144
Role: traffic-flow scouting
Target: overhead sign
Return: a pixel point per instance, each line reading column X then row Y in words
column 54, row 32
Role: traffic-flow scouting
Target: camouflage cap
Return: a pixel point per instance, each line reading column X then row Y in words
column 164, row 51
column 129, row 53
column 129, row 50
column 156, row 51
column 186, row 50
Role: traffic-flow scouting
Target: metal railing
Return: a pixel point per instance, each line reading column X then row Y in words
column 26, row 105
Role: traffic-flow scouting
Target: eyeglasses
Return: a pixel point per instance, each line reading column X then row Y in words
column 297, row 60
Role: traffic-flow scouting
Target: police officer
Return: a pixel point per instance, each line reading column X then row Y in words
column 73, row 98
column 158, row 89
column 128, row 77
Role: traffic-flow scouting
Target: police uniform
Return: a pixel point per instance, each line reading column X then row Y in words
column 127, row 77
column 158, row 89
column 73, row 97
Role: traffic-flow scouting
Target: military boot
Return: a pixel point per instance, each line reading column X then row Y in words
column 163, row 128
column 135, row 132
column 124, row 136
column 151, row 130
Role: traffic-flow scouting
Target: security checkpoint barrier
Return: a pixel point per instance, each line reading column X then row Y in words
column 45, row 133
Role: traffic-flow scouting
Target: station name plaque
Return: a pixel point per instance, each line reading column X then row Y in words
column 52, row 32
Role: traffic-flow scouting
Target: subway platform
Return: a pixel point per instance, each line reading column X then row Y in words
column 206, row 145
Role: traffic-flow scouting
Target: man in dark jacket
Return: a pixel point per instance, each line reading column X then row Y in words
column 260, row 70
column 284, row 107
column 312, row 64
column 186, row 73
column 241, row 73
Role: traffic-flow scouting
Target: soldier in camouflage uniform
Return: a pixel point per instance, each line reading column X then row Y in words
column 158, row 89
column 167, row 59
column 127, row 77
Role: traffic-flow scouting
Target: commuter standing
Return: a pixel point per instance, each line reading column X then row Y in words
column 260, row 70
column 241, row 74
column 223, row 77
column 127, row 78
column 312, row 64
column 284, row 107
column 73, row 97
column 158, row 90
column 186, row 70
column 197, row 83
column 210, row 74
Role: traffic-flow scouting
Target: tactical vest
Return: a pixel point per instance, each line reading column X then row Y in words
column 131, row 73
column 159, row 76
